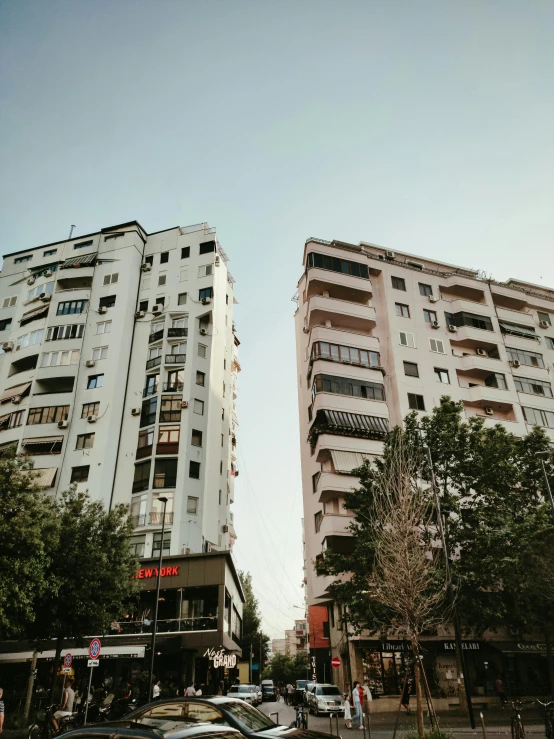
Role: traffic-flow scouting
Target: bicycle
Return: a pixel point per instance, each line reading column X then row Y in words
column 548, row 718
column 517, row 726
column 301, row 719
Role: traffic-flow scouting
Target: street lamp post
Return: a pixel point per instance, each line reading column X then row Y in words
column 155, row 624
column 541, row 456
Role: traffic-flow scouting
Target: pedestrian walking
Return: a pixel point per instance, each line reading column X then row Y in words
column 190, row 691
column 405, row 699
column 347, row 712
column 499, row 687
column 357, row 718
column 366, row 700
column 290, row 692
column 1, row 709
column 157, row 689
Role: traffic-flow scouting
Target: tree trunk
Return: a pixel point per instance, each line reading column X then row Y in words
column 549, row 659
column 462, row 698
column 30, row 686
column 417, row 680
column 59, row 647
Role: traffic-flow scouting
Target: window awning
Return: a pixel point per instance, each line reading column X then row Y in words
column 8, row 445
column 43, row 441
column 84, row 260
column 44, row 477
column 347, row 461
column 516, row 330
column 125, row 651
column 35, row 313
column 13, row 391
column 356, row 422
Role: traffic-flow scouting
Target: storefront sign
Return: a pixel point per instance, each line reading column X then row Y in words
column 466, row 645
column 395, row 646
column 314, row 669
column 170, row 571
column 221, row 658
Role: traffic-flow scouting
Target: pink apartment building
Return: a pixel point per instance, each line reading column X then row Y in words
column 378, row 334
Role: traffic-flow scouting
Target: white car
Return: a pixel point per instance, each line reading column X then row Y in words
column 246, row 693
column 324, row 698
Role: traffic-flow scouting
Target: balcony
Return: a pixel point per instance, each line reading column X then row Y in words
column 175, row 358
column 473, row 337
column 142, row 452
column 173, row 387
column 152, row 390
column 480, row 366
column 139, row 486
column 173, row 333
column 331, row 485
column 175, row 625
column 154, row 362
column 170, row 416
column 156, row 518
column 516, row 316
column 171, row 448
column 164, row 481
column 139, row 520
column 342, row 286
column 335, row 524
column 340, row 313
column 156, row 336
column 336, row 336
column 348, row 424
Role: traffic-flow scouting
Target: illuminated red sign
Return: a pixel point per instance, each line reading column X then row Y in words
column 153, row 572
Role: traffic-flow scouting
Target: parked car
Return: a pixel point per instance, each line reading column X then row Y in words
column 300, row 692
column 244, row 692
column 165, row 729
column 324, row 698
column 220, row 710
column 269, row 691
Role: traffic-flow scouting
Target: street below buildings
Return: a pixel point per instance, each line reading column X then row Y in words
column 497, row 723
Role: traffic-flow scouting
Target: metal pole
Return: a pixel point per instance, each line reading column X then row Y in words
column 547, row 483
column 483, row 725
column 450, row 592
column 155, row 624
column 348, row 649
column 250, row 666
column 87, row 696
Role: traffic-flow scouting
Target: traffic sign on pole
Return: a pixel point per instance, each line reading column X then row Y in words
column 335, row 662
column 67, row 660
column 93, row 662
column 94, row 648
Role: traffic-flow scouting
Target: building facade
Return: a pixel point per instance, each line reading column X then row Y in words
column 118, row 374
column 379, row 334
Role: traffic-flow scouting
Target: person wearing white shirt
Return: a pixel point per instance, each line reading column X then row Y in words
column 156, row 690
column 190, row 691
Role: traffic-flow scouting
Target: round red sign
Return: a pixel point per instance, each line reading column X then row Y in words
column 335, row 662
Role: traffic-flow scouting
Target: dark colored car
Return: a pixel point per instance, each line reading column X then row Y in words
column 165, row 729
column 269, row 692
column 219, row 710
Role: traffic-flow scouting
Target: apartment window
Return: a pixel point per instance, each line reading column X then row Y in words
column 151, row 386
column 197, row 438
column 202, row 349
column 318, row 519
column 324, row 261
column 222, row 441
column 429, row 316
column 184, row 274
column 200, row 378
column 525, row 357
column 148, row 413
column 192, row 505
column 162, row 279
column 205, row 270
column 90, row 409
column 164, row 257
column 171, row 409
column 95, row 381
column 146, row 280
column 469, row 319
column 136, row 545
column 71, row 331
column 70, row 307
column 416, row 402
column 544, row 317
column 111, row 279
column 165, row 473
column 549, row 341
column 48, row 289
column 207, row 247
column 398, row 283
column 107, row 302
column 402, row 310
column 223, row 414
column 533, row 386
column 11, row 421
column 82, row 245
column 104, row 327
column 180, row 348
column 141, row 477
column 347, row 386
column 199, row 407
column 175, row 381
column 496, row 380
column 6, row 323
column 169, row 435
column 194, row 470
column 30, row 339
column 206, row 292
column 20, row 260
column 226, row 300
column 49, row 252
column 154, row 352
column 49, row 414
column 157, row 543
column 182, row 299
column 160, row 300
column 55, row 359
column 437, row 346
column 185, row 252
column 411, row 369
column 538, row 417
column 9, row 302
column 101, row 352
column 221, row 468
column 80, row 474
column 441, row 375
column 407, row 339
column 425, row 290
column 143, row 306
column 145, row 439
column 85, row 441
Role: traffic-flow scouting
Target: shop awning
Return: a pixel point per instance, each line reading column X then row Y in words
column 85, row 260
column 347, row 461
column 13, row 391
column 44, row 476
column 519, row 647
column 129, row 652
column 356, row 422
column 43, row 441
column 35, row 313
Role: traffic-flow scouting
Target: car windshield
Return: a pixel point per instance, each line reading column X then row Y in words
column 327, row 690
column 249, row 717
column 301, row 684
column 241, row 689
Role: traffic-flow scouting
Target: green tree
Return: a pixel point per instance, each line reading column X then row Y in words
column 252, row 634
column 284, row 669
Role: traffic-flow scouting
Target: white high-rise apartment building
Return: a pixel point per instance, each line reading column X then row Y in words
column 118, row 373
column 377, row 335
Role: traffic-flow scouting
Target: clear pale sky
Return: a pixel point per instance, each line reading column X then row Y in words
column 423, row 126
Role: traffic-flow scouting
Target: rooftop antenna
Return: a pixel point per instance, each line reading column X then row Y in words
column 71, row 230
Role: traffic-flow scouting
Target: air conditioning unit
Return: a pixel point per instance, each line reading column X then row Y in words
column 135, row 411
column 157, row 309
column 16, row 399
column 435, row 324
column 217, row 261
column 45, row 297
column 225, row 529
column 544, row 324
column 140, row 314
column 48, row 273
column 434, row 298
column 206, row 301
column 452, row 328
column 481, row 352
column 380, row 256
column 62, row 424
column 203, row 332
column 390, row 255
column 102, row 309
column 92, row 419
column 306, row 330
column 146, row 267
column 8, row 346
column 31, row 280
column 489, row 411
column 514, row 362
column 90, row 363
column 184, row 404
column 185, row 550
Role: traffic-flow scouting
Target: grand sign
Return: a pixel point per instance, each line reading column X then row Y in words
column 221, row 658
column 147, row 572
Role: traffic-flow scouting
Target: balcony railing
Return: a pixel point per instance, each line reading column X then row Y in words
column 175, row 358
column 202, row 623
column 165, row 481
column 170, row 416
column 144, row 451
column 139, row 520
column 156, row 518
column 173, row 387
column 169, row 448
column 154, row 362
column 177, row 332
column 150, row 390
column 156, row 336
column 140, row 485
